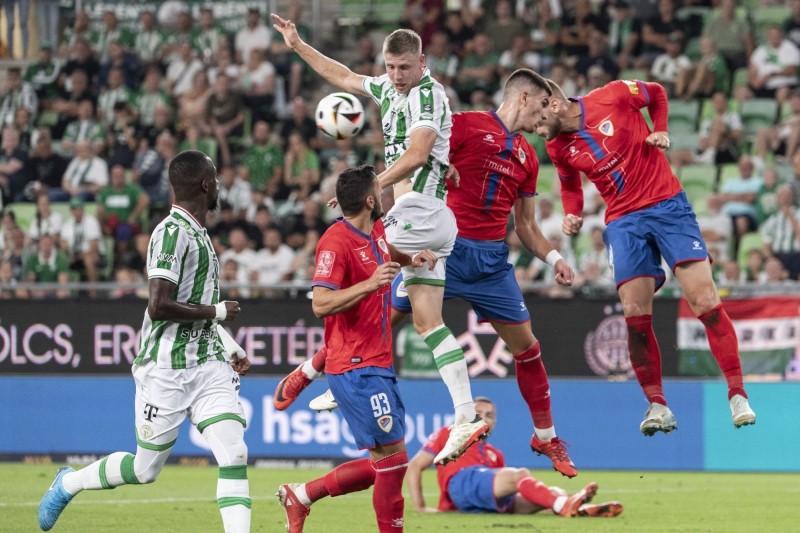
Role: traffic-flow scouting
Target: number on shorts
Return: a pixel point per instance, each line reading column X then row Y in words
column 380, row 404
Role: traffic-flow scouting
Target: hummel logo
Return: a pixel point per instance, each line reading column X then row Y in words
column 488, row 138
column 696, row 245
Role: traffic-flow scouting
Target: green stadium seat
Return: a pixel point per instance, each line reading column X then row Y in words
column 765, row 16
column 699, row 175
column 692, row 49
column 697, row 193
column 683, row 140
column 758, row 113
column 633, row 74
column 683, row 116
column 749, row 241
column 728, row 171
column 739, row 79
column 545, row 183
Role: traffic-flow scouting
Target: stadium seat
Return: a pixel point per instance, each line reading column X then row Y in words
column 728, row 172
column 699, row 175
column 546, row 180
column 765, row 16
column 739, row 79
column 683, row 116
column 758, row 113
column 633, row 74
column 697, row 193
column 683, row 140
column 749, row 241
column 692, row 49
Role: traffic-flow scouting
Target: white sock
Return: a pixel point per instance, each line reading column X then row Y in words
column 559, row 504
column 308, row 370
column 233, row 498
column 301, row 494
column 545, row 434
column 449, row 358
column 103, row 474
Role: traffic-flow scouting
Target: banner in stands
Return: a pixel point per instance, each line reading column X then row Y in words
column 578, row 337
column 769, row 338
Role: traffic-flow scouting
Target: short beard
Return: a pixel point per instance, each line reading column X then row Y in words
column 213, row 203
column 377, row 210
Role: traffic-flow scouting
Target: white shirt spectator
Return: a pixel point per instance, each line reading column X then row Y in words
column 247, row 39
column 82, row 171
column 181, row 73
column 245, row 260
column 79, row 235
column 768, row 60
column 665, row 68
column 45, row 226
column 273, row 266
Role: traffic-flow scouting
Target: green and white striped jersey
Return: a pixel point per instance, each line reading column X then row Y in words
column 181, row 251
column 425, row 106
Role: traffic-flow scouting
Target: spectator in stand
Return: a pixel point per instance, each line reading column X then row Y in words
column 45, row 222
column 17, row 93
column 478, row 70
column 182, row 33
column 79, row 30
column 48, row 18
column 136, row 258
column 781, row 233
column 623, row 34
column 505, row 27
column 576, row 26
column 224, row 64
column 43, row 75
column 11, row 24
column 235, row 189
column 229, row 281
column 304, row 265
column 182, row 70
column 729, row 274
column 150, row 171
column 667, row 66
column 775, row 272
column 439, row 58
column 716, row 228
column 82, row 241
column 782, row 139
column 596, row 77
column 86, row 174
column 110, row 32
column 560, row 74
column 193, row 108
column 518, row 56
column 82, row 58
column 125, row 62
column 719, row 137
column 225, row 114
column 8, row 222
column 47, row 265
column 739, row 196
column 288, row 64
column 597, row 55
column 23, row 123
column 121, row 207
column 707, row 76
column 15, row 250
column 46, row 167
column 731, row 34
column 767, row 195
column 272, row 263
column 459, row 33
column 754, row 267
column 772, row 72
column 7, row 279
column 130, row 285
column 656, row 32
column 366, row 63
column 162, row 123
column 240, row 252
column 298, row 226
column 264, row 159
column 300, row 121
column 208, row 37
column 122, row 135
column 115, row 93
column 548, row 220
column 150, row 96
column 255, row 35
column 596, row 255
column 83, row 128
column 149, row 41
column 258, row 85
column 791, row 26
column 301, row 168
column 263, row 220
column 14, row 172
column 67, row 106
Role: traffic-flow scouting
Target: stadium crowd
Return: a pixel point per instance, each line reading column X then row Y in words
column 90, row 125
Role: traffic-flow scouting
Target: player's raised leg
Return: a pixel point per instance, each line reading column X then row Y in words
column 535, row 389
column 701, row 294
column 296, row 382
column 226, row 438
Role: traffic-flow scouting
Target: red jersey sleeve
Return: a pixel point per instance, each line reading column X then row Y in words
column 457, row 131
column 571, row 187
column 528, row 186
column 436, row 441
column 638, row 94
column 500, row 462
column 331, row 263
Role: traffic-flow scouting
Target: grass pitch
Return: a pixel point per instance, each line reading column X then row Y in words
column 183, row 500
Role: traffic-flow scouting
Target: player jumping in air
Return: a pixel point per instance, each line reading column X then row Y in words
column 351, row 285
column 498, row 170
column 416, row 122
column 605, row 136
column 181, row 369
column 480, row 482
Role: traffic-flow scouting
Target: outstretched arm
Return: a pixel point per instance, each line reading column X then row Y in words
column 334, row 72
column 418, row 464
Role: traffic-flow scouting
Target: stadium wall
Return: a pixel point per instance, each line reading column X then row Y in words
column 79, row 418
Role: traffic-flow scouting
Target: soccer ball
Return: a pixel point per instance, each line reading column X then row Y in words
column 339, row 116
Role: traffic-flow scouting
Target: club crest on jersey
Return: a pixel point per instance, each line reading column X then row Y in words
column 633, row 87
column 385, row 423
column 382, row 246
column 522, row 156
column 325, row 263
column 606, row 128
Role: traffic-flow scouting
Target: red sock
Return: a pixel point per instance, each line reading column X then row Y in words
column 725, row 347
column 387, row 497
column 352, row 476
column 533, row 384
column 536, row 492
column 318, row 361
column 645, row 357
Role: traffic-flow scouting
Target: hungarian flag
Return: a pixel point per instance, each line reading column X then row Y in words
column 768, row 330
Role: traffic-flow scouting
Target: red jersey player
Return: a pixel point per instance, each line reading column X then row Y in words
column 498, row 170
column 480, row 481
column 351, row 286
column 605, row 136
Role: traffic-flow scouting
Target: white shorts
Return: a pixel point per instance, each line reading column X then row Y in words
column 418, row 222
column 205, row 393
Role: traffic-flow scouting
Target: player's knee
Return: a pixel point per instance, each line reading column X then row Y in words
column 236, row 454
column 704, row 300
column 146, row 473
column 634, row 308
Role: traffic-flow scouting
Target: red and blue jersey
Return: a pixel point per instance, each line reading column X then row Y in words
column 609, row 147
column 480, row 454
column 496, row 167
column 362, row 335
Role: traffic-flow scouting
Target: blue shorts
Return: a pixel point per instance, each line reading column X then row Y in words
column 371, row 405
column 637, row 241
column 478, row 272
column 472, row 491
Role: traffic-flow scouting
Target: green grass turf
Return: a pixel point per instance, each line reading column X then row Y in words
column 183, row 500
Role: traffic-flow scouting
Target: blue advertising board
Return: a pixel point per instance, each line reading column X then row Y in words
column 82, row 415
